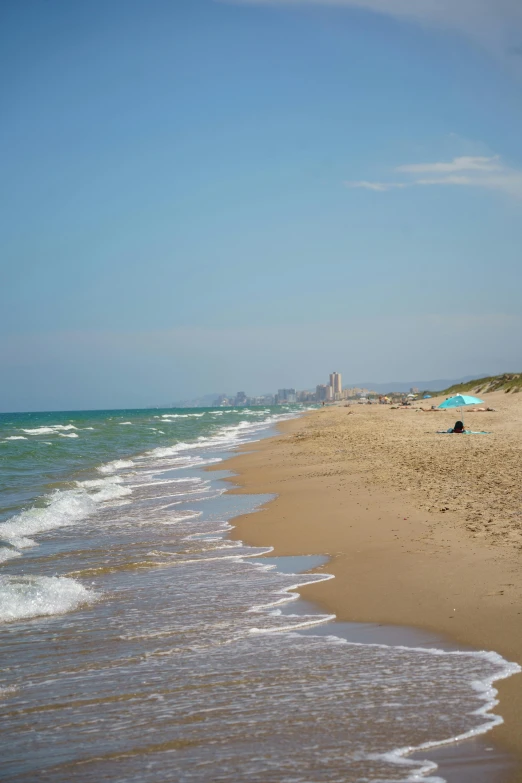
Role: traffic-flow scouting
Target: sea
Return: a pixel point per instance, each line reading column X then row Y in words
column 139, row 643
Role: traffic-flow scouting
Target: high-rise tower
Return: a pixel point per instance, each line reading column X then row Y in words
column 335, row 383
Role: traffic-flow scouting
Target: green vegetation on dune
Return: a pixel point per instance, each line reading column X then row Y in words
column 508, row 382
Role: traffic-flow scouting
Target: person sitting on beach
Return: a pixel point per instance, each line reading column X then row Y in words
column 459, row 427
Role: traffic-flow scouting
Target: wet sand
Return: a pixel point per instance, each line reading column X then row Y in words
column 422, row 530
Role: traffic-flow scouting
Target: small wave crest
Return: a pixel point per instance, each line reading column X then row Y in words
column 182, row 415
column 52, row 429
column 8, row 553
column 63, row 508
column 22, row 597
column 106, row 489
column 117, row 464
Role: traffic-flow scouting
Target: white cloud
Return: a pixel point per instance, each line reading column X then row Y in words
column 465, row 163
column 488, row 173
column 380, row 186
column 495, row 24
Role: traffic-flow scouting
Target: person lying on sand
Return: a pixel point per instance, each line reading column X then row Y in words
column 458, row 429
column 463, row 431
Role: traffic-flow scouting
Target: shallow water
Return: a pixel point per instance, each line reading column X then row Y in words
column 140, row 644
column 473, row 760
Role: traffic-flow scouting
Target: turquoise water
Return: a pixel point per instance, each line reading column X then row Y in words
column 140, row 643
column 40, row 452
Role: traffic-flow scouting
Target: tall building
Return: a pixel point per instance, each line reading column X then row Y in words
column 336, row 384
column 306, row 396
column 286, row 395
column 323, row 392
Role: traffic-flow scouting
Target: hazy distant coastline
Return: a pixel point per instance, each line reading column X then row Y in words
column 206, row 400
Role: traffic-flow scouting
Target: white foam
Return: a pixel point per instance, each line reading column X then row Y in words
column 102, row 482
column 142, row 484
column 107, row 489
column 180, row 516
column 68, row 507
column 8, row 553
column 108, row 493
column 182, row 415
column 16, row 437
column 169, row 451
column 22, row 597
column 53, row 429
column 64, row 508
column 117, row 464
column 7, row 691
column 41, row 431
column 225, row 437
column 125, row 422
column 488, row 695
column 399, row 756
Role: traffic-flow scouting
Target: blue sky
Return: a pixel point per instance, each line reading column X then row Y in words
column 204, row 196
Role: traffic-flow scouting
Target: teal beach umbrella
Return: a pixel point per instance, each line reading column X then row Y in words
column 460, row 401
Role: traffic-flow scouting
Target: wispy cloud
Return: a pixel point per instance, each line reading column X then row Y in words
column 465, row 163
column 495, row 24
column 476, row 172
column 381, row 186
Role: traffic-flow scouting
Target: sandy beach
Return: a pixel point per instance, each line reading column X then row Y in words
column 423, row 529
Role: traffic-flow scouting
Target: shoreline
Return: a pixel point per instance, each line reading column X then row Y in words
column 392, row 566
column 469, row 759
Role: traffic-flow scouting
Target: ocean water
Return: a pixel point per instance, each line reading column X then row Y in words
column 139, row 643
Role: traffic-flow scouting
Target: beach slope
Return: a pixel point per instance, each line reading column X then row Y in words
column 423, row 529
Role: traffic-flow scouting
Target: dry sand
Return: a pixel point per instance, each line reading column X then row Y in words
column 422, row 529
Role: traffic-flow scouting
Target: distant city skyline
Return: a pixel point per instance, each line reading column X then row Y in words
column 321, row 393
column 269, row 398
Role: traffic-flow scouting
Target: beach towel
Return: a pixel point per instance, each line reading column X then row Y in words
column 466, row 432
